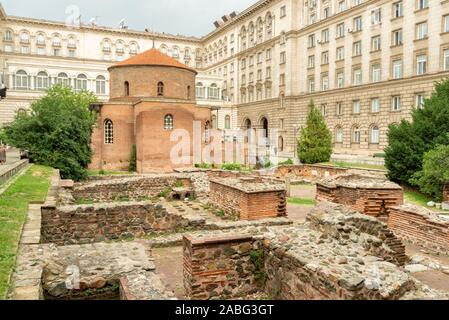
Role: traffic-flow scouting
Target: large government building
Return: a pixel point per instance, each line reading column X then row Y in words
column 365, row 63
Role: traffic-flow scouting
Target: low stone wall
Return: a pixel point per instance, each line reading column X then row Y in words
column 367, row 195
column 421, row 227
column 308, row 171
column 136, row 188
column 446, row 193
column 250, row 199
column 99, row 222
column 220, row 268
column 8, row 171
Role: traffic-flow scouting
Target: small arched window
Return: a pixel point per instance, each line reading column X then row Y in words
column 42, row 81
column 281, row 143
column 356, row 135
column 81, row 82
column 160, row 89
column 63, row 79
column 188, row 92
column 168, row 122
column 71, row 43
column 21, row 80
column 108, row 132
column 24, row 37
column 339, row 135
column 227, row 122
column 375, row 134
column 126, row 89
column 100, row 84
column 40, row 39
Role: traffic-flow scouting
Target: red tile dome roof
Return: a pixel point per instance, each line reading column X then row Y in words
column 152, row 57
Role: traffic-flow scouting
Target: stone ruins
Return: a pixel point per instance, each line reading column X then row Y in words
column 232, row 235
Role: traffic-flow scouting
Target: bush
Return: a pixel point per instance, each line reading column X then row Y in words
column 434, row 173
column 315, row 141
column 133, row 160
column 409, row 141
column 231, row 167
column 286, row 162
column 3, row 137
column 57, row 132
column 202, row 166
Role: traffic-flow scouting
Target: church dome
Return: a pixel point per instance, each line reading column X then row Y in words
column 152, row 57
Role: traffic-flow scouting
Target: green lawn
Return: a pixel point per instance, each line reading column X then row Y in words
column 417, row 198
column 32, row 186
column 343, row 164
column 107, row 173
column 301, row 201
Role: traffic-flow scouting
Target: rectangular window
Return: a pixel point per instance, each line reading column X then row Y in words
column 397, row 69
column 325, row 57
column 340, row 108
column 342, row 6
column 357, row 49
column 398, row 9
column 446, row 59
column 325, row 82
column 282, row 80
column 375, row 105
column 324, row 109
column 375, row 43
column 376, row 73
column 311, row 62
column 340, row 53
column 340, row 80
column 326, row 13
column 340, row 30
column 311, row 41
column 396, row 103
column 419, row 100
column 283, row 12
column 357, row 24
column 421, row 30
column 25, row 50
column 311, row 85
column 421, row 64
column 268, row 54
column 356, row 107
column 397, row 37
column 41, row 51
column 8, row 48
column 357, row 77
column 376, row 16
column 268, row 73
column 325, row 36
column 283, row 57
column 446, row 23
column 423, row 4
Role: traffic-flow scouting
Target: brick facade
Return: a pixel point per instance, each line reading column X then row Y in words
column 219, row 267
column 420, row 227
column 261, row 202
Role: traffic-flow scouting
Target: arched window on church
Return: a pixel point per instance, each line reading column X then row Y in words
column 126, row 89
column 188, row 92
column 160, row 89
column 168, row 122
column 108, row 132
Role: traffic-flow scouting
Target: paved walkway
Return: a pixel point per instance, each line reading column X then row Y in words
column 169, row 267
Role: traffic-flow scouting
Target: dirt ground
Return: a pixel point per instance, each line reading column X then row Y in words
column 169, row 266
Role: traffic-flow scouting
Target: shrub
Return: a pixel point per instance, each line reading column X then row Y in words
column 133, row 160
column 315, row 141
column 231, row 167
column 57, row 132
column 434, row 173
column 409, row 141
column 202, row 165
column 286, row 162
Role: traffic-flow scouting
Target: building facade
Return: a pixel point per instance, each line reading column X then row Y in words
column 365, row 63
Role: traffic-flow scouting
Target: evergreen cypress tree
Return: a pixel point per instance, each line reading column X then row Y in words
column 133, row 161
column 315, row 141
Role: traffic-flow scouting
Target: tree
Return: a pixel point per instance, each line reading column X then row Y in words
column 434, row 173
column 409, row 141
column 315, row 141
column 133, row 161
column 57, row 131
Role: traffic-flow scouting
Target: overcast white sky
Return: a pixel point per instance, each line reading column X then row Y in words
column 187, row 17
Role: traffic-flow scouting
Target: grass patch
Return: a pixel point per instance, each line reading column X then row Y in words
column 301, row 201
column 94, row 173
column 417, row 198
column 342, row 164
column 32, row 186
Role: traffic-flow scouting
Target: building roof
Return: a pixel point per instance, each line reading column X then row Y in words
column 152, row 57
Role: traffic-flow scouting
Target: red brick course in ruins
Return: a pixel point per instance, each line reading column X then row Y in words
column 260, row 202
column 367, row 195
column 420, row 226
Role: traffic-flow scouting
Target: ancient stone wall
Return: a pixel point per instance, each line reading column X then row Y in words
column 308, row 171
column 132, row 188
column 248, row 200
column 446, row 193
column 420, row 227
column 99, row 222
column 220, row 267
column 367, row 195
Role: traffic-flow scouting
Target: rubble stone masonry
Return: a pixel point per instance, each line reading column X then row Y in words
column 420, row 227
column 446, row 193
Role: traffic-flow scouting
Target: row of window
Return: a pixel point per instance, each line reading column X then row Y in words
column 42, row 81
column 376, row 72
column 375, row 105
column 356, row 134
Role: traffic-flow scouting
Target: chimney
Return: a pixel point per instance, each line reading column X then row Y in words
column 233, row 14
column 225, row 18
column 216, row 24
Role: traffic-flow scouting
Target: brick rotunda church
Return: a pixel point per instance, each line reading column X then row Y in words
column 151, row 94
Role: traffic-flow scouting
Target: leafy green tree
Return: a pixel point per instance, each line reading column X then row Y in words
column 57, row 131
column 133, row 161
column 3, row 137
column 434, row 173
column 409, row 141
column 315, row 141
